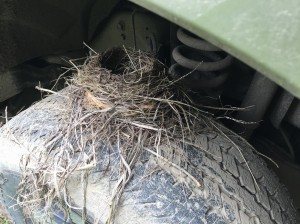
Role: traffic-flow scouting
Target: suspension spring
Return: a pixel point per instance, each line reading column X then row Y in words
column 203, row 64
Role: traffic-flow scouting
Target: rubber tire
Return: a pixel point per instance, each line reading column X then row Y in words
column 210, row 183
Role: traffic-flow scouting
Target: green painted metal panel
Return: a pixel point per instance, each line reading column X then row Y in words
column 265, row 34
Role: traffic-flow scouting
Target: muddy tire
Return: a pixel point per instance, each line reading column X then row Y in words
column 210, row 183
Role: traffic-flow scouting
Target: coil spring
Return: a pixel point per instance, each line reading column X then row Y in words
column 204, row 63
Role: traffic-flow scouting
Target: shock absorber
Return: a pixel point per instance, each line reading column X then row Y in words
column 203, row 64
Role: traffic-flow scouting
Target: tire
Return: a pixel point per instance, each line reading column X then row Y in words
column 210, row 183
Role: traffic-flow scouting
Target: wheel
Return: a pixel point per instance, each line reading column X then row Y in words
column 207, row 181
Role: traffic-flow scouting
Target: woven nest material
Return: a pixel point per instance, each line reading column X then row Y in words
column 121, row 98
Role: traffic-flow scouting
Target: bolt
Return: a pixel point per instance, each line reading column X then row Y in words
column 121, row 25
column 123, row 36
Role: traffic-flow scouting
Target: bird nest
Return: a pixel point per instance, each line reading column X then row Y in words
column 122, row 98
